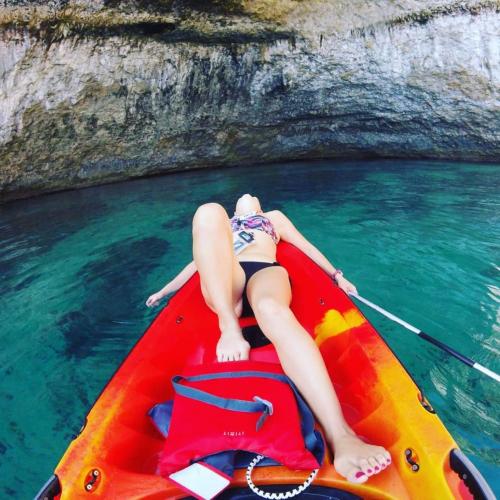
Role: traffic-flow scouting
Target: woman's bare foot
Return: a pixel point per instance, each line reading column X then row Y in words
column 231, row 346
column 356, row 460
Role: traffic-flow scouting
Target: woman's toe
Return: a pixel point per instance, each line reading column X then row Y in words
column 374, row 464
column 365, row 467
column 382, row 461
column 356, row 475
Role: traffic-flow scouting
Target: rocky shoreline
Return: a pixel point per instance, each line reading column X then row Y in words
column 94, row 92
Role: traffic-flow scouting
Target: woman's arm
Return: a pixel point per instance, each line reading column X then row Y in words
column 288, row 232
column 173, row 285
column 180, row 279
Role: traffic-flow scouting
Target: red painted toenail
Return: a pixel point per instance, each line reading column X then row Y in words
column 359, row 474
column 377, row 467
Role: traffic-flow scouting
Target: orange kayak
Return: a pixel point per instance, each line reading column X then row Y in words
column 116, row 452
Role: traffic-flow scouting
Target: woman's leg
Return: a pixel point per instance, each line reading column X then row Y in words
column 269, row 295
column 221, row 276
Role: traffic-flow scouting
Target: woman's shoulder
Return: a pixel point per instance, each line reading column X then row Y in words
column 275, row 215
column 278, row 219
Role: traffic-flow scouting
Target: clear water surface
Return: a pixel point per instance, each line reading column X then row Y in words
column 419, row 238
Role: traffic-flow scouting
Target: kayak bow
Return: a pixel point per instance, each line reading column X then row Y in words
column 115, row 454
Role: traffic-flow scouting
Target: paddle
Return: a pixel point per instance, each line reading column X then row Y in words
column 432, row 340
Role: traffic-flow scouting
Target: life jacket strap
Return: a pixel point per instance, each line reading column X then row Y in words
column 267, row 412
column 258, row 405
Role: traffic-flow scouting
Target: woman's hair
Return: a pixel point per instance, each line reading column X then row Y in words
column 247, row 203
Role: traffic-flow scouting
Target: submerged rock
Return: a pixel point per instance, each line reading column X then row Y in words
column 92, row 95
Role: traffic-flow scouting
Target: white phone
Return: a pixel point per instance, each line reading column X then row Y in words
column 201, row 480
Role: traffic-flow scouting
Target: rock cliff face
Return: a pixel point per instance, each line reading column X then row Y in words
column 103, row 91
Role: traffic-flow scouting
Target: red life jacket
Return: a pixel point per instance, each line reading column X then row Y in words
column 238, row 405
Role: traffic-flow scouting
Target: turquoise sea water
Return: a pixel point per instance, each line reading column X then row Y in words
column 421, row 239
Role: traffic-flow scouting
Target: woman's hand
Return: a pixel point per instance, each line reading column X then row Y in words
column 232, row 347
column 154, row 299
column 346, row 285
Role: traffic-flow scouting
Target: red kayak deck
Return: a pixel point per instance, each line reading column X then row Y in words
column 378, row 397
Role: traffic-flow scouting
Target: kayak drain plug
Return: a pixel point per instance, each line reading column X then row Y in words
column 412, row 459
column 92, row 480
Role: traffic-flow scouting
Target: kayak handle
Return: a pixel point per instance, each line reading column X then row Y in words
column 472, row 478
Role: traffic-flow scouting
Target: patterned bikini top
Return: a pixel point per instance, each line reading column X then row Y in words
column 253, row 220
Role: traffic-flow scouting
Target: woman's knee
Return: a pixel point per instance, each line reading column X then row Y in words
column 209, row 214
column 268, row 309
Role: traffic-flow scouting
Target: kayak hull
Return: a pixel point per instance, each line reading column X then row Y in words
column 116, row 453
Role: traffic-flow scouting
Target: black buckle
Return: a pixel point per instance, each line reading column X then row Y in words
column 248, row 237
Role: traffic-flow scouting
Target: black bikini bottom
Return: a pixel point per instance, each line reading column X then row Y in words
column 253, row 334
column 251, row 267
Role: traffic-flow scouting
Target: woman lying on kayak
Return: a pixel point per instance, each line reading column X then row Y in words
column 234, row 284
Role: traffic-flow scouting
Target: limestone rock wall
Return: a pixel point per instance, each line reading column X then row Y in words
column 335, row 79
